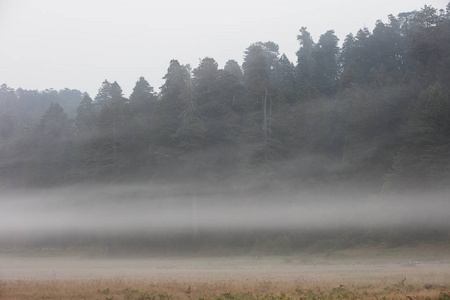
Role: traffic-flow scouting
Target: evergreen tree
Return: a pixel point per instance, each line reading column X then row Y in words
column 142, row 104
column 175, row 98
column 9, row 128
column 233, row 67
column 204, row 80
column 115, row 92
column 305, row 59
column 348, row 72
column 326, row 63
column 430, row 45
column 142, row 96
column 362, row 61
column 215, row 91
column 51, row 157
column 8, row 120
column 143, row 101
column 85, row 137
column 423, row 162
column 85, row 118
column 256, row 73
column 69, row 99
column 259, row 78
column 116, row 142
column 284, row 80
column 104, row 94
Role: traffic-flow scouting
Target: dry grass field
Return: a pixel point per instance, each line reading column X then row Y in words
column 296, row 277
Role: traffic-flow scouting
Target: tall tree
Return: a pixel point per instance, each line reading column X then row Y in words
column 142, row 94
column 284, row 80
column 85, row 137
column 326, row 63
column 143, row 101
column 175, row 98
column 104, row 94
column 204, row 80
column 85, row 118
column 53, row 139
column 361, row 61
column 259, row 77
column 115, row 92
column 215, row 91
column 69, row 99
column 423, row 162
column 115, row 145
column 234, row 68
column 430, row 44
column 305, row 59
column 256, row 72
column 347, row 71
column 142, row 104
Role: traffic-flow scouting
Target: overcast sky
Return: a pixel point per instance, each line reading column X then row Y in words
column 77, row 44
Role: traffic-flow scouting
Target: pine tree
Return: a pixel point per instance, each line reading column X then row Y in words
column 233, row 67
column 115, row 145
column 305, row 59
column 53, row 139
column 85, row 137
column 175, row 98
column 326, row 73
column 104, row 94
column 422, row 162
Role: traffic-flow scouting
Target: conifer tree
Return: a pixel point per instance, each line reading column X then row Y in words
column 53, row 138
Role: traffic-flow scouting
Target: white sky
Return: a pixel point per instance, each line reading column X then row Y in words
column 77, row 44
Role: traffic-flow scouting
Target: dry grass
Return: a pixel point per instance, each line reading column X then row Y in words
column 210, row 289
column 187, row 280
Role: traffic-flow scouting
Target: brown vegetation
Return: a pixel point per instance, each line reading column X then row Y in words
column 213, row 280
column 222, row 289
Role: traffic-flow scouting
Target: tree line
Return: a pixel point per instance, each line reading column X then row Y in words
column 373, row 113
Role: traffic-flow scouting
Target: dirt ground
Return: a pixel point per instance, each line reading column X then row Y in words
column 217, row 278
column 273, row 268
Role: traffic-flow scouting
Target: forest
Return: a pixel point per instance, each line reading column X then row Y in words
column 371, row 114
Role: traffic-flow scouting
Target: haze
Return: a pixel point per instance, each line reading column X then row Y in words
column 145, row 213
column 77, row 44
column 244, row 149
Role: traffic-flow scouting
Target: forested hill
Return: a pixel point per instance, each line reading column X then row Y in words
column 373, row 113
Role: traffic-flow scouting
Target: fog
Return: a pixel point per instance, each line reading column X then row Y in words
column 58, row 30
column 190, row 211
